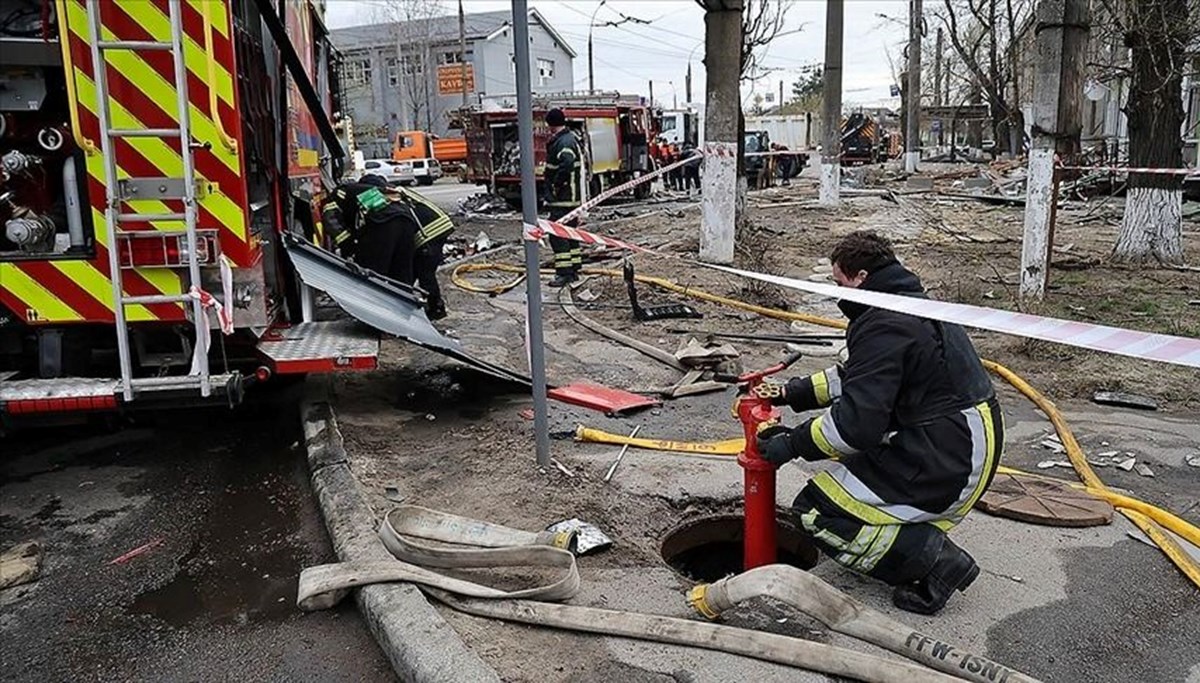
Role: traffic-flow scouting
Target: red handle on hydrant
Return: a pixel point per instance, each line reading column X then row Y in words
column 759, row 535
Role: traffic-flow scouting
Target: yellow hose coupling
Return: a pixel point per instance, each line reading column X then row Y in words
column 696, row 600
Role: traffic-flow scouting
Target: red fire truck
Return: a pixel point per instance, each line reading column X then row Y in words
column 155, row 157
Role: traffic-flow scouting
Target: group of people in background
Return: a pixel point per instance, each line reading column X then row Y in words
column 683, row 178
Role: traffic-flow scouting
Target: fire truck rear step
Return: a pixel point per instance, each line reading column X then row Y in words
column 321, row 347
column 73, row 394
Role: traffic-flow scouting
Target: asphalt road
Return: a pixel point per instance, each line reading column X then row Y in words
column 447, row 191
column 224, row 502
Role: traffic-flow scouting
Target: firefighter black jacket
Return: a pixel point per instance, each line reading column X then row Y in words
column 911, row 418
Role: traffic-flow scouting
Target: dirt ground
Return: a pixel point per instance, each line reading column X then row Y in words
column 452, row 439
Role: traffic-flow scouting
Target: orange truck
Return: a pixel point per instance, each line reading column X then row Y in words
column 145, row 207
column 428, row 155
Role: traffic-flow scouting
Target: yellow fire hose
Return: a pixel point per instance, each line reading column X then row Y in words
column 1141, row 514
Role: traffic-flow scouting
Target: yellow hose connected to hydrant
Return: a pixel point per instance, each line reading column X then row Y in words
column 1143, row 515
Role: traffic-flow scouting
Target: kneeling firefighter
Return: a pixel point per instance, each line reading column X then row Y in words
column 392, row 231
column 913, row 424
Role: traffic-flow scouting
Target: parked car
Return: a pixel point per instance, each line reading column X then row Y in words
column 425, row 171
column 393, row 172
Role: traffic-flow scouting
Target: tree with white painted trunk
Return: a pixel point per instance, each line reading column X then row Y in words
column 1157, row 33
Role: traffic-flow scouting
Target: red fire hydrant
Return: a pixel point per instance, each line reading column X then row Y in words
column 759, row 545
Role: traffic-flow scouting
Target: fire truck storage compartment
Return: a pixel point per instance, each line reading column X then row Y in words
column 43, row 177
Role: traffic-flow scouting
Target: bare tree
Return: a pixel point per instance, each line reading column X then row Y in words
column 413, row 66
column 987, row 36
column 1161, row 37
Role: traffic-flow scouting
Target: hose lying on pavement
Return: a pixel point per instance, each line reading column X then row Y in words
column 732, row 447
column 477, row 545
column 840, row 612
column 1170, row 548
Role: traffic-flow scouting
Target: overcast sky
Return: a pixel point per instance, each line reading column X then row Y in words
column 630, row 55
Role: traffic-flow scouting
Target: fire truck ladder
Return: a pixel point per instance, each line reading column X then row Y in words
column 118, row 191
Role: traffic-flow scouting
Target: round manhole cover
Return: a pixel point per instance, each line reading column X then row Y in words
column 1038, row 501
column 710, row 548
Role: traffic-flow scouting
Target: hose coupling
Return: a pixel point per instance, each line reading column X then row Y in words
column 566, row 540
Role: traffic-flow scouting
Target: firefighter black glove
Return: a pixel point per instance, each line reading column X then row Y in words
column 775, row 445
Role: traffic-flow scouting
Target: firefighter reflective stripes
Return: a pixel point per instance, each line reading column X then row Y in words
column 142, row 95
column 826, row 436
column 882, row 540
column 849, row 492
column 433, row 220
column 827, row 385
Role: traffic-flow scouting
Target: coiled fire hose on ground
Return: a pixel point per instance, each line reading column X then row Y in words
column 1091, row 482
column 472, row 544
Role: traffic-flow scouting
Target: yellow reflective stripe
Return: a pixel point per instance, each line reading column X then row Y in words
column 168, row 162
column 989, row 430
column 820, row 388
column 862, row 541
column 879, row 547
column 566, row 150
column 842, row 498
column 87, row 277
column 808, row 520
column 47, row 306
column 819, row 439
column 551, row 167
column 158, row 25
column 216, row 10
column 341, row 237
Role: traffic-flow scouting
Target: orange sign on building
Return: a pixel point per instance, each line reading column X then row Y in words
column 450, row 79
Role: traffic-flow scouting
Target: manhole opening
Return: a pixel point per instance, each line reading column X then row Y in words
column 710, row 548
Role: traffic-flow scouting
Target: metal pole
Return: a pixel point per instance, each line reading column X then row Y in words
column 462, row 50
column 533, row 285
column 912, row 136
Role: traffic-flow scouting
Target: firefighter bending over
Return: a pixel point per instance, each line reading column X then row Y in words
column 914, row 425
column 563, row 194
column 392, row 231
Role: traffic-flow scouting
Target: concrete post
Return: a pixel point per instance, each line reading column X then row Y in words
column 831, row 110
column 1061, row 43
column 722, row 59
column 912, row 135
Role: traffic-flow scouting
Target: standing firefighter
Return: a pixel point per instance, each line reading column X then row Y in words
column 563, row 194
column 396, row 233
column 914, row 427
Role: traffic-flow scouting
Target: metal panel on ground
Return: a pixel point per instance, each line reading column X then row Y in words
column 384, row 304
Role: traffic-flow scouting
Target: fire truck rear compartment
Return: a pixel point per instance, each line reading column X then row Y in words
column 43, row 182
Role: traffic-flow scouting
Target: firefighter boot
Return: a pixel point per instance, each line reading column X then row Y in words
column 954, row 569
column 435, row 309
column 564, row 278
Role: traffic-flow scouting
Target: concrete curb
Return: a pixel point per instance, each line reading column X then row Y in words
column 418, row 642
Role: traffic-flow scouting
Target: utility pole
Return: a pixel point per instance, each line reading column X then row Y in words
column 533, row 285
column 937, row 86
column 1061, row 46
column 781, row 92
column 651, row 93
column 687, row 85
column 462, row 49
column 722, row 113
column 831, row 110
column 912, row 135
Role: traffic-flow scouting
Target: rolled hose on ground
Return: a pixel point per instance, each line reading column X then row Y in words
column 809, row 594
column 1074, row 453
column 480, row 545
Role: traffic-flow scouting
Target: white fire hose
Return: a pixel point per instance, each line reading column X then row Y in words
column 470, row 544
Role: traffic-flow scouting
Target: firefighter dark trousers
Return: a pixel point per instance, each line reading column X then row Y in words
column 568, row 255
column 876, row 539
column 428, row 258
column 386, row 248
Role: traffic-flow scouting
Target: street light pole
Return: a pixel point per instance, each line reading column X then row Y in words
column 591, row 63
column 533, row 285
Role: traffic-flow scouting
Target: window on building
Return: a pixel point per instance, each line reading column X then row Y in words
column 545, row 71
column 393, row 74
column 451, row 57
column 357, row 71
column 413, row 64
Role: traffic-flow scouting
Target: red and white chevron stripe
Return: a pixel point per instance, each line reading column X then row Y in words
column 545, row 227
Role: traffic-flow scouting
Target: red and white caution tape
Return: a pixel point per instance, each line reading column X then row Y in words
column 628, row 185
column 1129, row 169
column 224, row 317
column 545, row 227
column 1145, row 345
